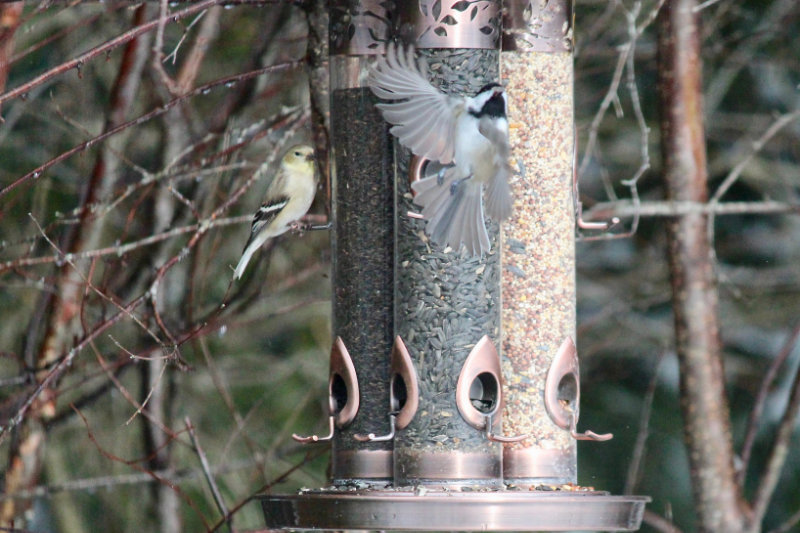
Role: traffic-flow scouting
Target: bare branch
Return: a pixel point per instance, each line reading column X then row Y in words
column 106, row 482
column 787, row 526
column 761, row 400
column 133, row 464
column 63, row 364
column 780, row 122
column 707, row 3
column 103, row 48
column 209, row 28
column 223, row 509
column 157, row 59
column 10, row 14
column 122, row 249
column 777, row 456
column 37, row 172
column 672, row 208
column 659, row 523
column 634, row 468
column 140, row 408
column 310, row 455
column 625, row 64
column 742, row 56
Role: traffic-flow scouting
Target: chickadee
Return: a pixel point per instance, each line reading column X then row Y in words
column 469, row 133
column 288, row 198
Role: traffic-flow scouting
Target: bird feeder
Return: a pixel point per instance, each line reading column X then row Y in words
column 362, row 242
column 454, row 381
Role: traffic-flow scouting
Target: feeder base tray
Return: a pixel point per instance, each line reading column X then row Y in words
column 452, row 510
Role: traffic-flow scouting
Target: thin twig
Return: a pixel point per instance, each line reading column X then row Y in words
column 208, row 31
column 122, row 249
column 660, row 523
column 777, row 456
column 223, row 509
column 707, row 3
column 63, row 363
column 174, row 53
column 611, row 94
column 625, row 64
column 103, row 48
column 309, row 456
column 779, row 123
column 788, row 525
column 37, row 172
column 644, row 130
column 673, row 208
column 761, row 400
column 140, row 407
column 69, row 259
column 745, row 54
column 222, row 388
column 106, row 482
column 634, row 468
column 133, row 464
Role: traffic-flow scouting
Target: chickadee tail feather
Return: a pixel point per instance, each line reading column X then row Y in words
column 454, row 211
column 498, row 195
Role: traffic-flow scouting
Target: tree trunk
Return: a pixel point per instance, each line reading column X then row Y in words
column 705, row 410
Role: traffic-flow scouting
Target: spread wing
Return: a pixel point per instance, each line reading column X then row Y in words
column 423, row 117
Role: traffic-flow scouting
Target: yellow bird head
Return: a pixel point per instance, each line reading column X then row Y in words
column 299, row 158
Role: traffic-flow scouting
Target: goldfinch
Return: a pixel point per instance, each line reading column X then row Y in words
column 288, row 198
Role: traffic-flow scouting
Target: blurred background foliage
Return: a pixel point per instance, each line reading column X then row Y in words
column 625, row 330
column 250, row 372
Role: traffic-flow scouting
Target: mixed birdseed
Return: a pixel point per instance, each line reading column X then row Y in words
column 539, row 243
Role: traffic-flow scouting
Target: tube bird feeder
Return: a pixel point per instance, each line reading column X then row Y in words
column 447, row 304
column 362, row 238
column 454, row 384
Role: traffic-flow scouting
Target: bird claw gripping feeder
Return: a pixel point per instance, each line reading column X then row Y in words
column 430, row 428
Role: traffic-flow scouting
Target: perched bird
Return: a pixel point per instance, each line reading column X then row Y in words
column 288, row 198
column 471, row 133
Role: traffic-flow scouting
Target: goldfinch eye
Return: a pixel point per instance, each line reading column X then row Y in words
column 298, row 154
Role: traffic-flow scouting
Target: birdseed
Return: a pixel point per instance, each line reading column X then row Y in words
column 445, row 301
column 539, row 242
column 363, row 252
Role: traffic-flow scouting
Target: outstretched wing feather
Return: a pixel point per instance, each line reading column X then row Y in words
column 399, row 76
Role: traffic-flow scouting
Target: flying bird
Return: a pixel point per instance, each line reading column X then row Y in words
column 470, row 133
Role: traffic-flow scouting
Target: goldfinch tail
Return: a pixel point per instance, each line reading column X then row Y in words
column 249, row 250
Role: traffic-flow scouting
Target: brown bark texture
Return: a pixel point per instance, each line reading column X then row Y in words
column 707, row 433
